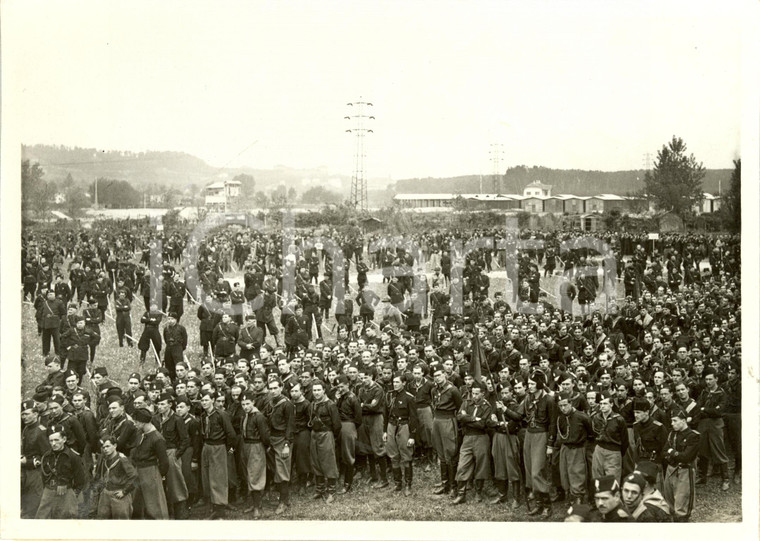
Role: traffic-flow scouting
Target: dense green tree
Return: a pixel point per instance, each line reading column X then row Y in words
column 732, row 202
column 675, row 183
column 32, row 184
column 318, row 195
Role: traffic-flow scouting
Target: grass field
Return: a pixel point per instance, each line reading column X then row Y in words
column 363, row 503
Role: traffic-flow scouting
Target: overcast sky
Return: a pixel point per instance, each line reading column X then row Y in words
column 564, row 85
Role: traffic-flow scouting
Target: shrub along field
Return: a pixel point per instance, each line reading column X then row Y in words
column 363, row 502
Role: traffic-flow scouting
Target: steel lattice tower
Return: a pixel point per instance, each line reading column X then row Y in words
column 359, row 179
column 496, row 151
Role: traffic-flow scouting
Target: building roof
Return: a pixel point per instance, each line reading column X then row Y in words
column 609, row 197
column 538, row 184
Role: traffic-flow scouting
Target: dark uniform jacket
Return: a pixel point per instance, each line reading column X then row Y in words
column 350, row 409
column 573, row 429
column 63, row 468
column 34, row 444
column 474, row 417
column 611, row 433
column 116, row 473
column 446, row 400
column 402, row 409
column 216, row 429
column 680, row 449
column 649, row 438
column 324, row 417
column 150, row 451
column 174, row 431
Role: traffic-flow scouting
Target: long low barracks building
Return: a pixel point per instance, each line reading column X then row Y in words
column 553, row 204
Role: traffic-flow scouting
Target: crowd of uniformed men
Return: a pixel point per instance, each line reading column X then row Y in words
column 517, row 402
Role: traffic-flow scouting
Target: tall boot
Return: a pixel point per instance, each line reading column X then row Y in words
column 408, row 479
column 372, row 468
column 180, row 510
column 461, row 493
column 501, row 486
column 319, row 484
column 397, row 479
column 445, row 487
column 453, row 478
column 348, row 478
column 538, row 505
column 516, row 494
column 284, row 489
column 383, row 478
column 255, row 499
column 546, row 512
column 703, row 463
column 724, row 476
column 479, row 490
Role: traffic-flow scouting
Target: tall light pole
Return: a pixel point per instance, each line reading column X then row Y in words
column 359, row 179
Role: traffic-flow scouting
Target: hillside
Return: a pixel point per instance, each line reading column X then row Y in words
column 155, row 171
column 572, row 181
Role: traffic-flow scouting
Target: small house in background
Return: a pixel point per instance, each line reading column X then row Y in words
column 220, row 195
column 710, row 203
column 588, row 223
column 537, row 189
column 372, row 224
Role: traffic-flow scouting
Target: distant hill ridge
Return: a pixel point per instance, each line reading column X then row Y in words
column 181, row 170
column 571, row 181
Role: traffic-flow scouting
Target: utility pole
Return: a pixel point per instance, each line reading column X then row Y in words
column 496, row 152
column 359, row 180
column 96, row 193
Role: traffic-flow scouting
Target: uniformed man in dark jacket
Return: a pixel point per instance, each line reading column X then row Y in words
column 175, row 336
column 62, row 477
column 324, row 423
column 400, row 434
column 34, row 444
column 350, row 411
column 250, row 338
column 680, row 453
column 151, row 320
column 474, row 416
column 50, row 312
column 446, row 403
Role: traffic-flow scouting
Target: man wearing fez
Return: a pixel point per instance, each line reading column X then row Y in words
column 119, row 478
column 680, row 453
column 281, row 417
column 62, row 477
column 149, row 457
column 34, row 444
column 611, row 435
column 350, row 411
column 324, row 423
column 255, row 436
column 218, row 440
column 711, row 406
column 607, row 498
column 538, row 412
column 76, row 342
column 251, row 338
column 175, row 336
column 474, row 458
column 637, row 507
column 400, row 434
column 446, row 402
column 174, row 432
column 573, row 431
